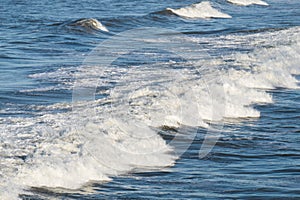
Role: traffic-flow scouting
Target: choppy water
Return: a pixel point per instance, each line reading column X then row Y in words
column 149, row 99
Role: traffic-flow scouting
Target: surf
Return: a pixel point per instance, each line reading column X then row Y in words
column 248, row 2
column 72, row 148
column 199, row 10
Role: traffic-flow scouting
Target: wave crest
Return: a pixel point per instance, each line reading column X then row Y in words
column 90, row 24
column 199, row 10
column 248, row 2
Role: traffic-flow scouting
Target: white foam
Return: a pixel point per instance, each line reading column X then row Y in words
column 112, row 136
column 200, row 10
column 59, row 154
column 248, row 2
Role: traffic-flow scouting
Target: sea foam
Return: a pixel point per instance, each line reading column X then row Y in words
column 98, row 140
column 199, row 10
column 248, row 2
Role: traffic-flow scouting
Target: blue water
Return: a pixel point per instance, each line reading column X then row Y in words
column 254, row 157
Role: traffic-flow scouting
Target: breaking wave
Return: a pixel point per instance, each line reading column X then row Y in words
column 199, row 10
column 248, row 2
column 117, row 133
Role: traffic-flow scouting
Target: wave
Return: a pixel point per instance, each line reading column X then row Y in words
column 117, row 134
column 49, row 151
column 200, row 10
column 89, row 24
column 248, row 2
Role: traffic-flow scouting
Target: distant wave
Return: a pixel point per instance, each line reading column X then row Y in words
column 248, row 2
column 89, row 24
column 199, row 10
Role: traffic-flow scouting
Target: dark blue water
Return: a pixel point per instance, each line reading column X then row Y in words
column 257, row 153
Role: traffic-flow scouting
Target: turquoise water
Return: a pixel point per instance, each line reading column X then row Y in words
column 75, row 126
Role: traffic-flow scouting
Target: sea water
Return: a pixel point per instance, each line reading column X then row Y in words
column 149, row 99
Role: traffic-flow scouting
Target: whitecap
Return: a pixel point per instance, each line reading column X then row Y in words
column 97, row 142
column 248, row 2
column 199, row 10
